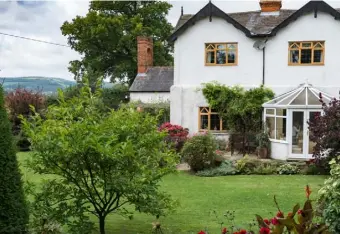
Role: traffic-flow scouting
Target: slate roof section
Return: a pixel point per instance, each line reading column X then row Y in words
column 156, row 79
column 252, row 23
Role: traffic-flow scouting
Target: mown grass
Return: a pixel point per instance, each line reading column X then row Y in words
column 198, row 197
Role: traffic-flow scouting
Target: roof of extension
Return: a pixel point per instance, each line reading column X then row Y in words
column 156, row 79
column 252, row 23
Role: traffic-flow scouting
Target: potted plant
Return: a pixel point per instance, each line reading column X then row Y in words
column 263, row 147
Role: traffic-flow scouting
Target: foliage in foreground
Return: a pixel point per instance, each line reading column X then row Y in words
column 241, row 109
column 330, row 198
column 101, row 162
column 199, row 151
column 13, row 209
column 299, row 221
column 325, row 132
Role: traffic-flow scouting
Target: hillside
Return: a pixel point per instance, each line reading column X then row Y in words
column 47, row 85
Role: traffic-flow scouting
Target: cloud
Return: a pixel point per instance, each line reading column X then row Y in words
column 42, row 20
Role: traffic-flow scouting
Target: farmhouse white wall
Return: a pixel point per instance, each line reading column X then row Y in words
column 189, row 55
column 191, row 72
column 149, row 97
column 306, row 28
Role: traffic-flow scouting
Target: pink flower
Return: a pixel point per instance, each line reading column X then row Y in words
column 201, row 232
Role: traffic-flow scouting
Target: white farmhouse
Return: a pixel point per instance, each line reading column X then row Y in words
column 293, row 52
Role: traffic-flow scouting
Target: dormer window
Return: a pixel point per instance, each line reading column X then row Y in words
column 306, row 53
column 221, row 54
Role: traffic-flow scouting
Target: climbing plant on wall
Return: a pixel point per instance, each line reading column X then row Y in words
column 241, row 109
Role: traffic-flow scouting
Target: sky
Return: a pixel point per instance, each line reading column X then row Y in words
column 41, row 20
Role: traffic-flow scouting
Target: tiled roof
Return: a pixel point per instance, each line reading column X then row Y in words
column 252, row 20
column 156, row 79
column 253, row 23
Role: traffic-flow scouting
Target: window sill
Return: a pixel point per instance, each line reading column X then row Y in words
column 214, row 131
column 279, row 141
column 220, row 65
column 307, row 64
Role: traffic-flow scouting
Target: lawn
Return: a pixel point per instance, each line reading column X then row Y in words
column 198, row 197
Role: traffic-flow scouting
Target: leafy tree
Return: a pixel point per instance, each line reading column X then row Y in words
column 325, row 132
column 104, row 161
column 106, row 37
column 13, row 210
column 115, row 96
column 240, row 109
column 329, row 198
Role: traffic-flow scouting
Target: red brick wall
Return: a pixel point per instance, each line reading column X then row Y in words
column 144, row 53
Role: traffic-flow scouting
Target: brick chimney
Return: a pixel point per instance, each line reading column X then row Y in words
column 144, row 53
column 270, row 6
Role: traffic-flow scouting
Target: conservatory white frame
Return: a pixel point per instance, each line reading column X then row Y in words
column 299, row 105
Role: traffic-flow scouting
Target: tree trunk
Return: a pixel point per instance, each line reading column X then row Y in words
column 102, row 224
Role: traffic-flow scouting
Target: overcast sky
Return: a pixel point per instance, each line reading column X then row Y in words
column 42, row 20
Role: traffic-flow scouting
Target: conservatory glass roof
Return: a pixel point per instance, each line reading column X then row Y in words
column 303, row 96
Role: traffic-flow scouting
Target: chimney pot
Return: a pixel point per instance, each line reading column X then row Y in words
column 144, row 53
column 268, row 6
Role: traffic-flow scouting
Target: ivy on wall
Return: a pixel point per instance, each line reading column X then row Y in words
column 241, row 109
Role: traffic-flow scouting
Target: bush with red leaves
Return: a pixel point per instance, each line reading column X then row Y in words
column 325, row 132
column 18, row 102
column 177, row 135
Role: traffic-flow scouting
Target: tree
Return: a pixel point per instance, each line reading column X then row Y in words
column 240, row 109
column 13, row 210
column 115, row 96
column 106, row 37
column 103, row 161
column 18, row 102
column 325, row 132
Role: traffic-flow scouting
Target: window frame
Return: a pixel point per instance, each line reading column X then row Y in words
column 276, row 116
column 313, row 44
column 209, row 120
column 215, row 50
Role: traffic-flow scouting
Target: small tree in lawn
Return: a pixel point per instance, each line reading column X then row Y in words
column 325, row 132
column 13, row 210
column 103, row 161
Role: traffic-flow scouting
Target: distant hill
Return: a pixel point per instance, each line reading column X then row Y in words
column 47, row 85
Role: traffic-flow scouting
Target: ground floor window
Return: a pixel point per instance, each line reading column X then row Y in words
column 276, row 122
column 209, row 119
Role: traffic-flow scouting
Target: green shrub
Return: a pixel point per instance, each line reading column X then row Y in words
column 221, row 144
column 288, row 169
column 330, row 198
column 265, row 169
column 226, row 168
column 115, row 96
column 13, row 209
column 246, row 165
column 199, row 151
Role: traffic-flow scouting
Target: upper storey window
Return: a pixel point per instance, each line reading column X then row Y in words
column 220, row 54
column 306, row 53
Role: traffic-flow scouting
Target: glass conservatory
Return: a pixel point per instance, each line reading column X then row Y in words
column 286, row 118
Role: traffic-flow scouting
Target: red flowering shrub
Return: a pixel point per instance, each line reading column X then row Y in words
column 304, row 223
column 325, row 132
column 177, row 135
column 281, row 224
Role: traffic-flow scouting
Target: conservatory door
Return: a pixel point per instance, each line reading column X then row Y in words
column 298, row 133
column 301, row 145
